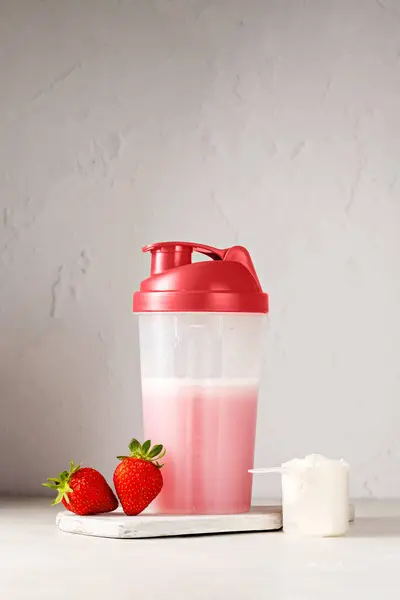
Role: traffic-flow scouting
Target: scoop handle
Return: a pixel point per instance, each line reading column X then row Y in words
column 270, row 470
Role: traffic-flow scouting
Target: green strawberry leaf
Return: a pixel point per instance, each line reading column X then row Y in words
column 154, row 451
column 146, row 447
column 134, row 446
column 61, row 484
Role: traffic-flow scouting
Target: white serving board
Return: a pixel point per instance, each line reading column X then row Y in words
column 147, row 525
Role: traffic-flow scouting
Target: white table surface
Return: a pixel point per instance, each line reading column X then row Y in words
column 39, row 561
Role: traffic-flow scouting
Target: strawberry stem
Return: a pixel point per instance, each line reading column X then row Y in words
column 61, row 484
column 146, row 452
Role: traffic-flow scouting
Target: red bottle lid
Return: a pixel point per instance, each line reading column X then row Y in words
column 227, row 283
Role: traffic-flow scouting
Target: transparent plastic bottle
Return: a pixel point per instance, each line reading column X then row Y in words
column 201, row 332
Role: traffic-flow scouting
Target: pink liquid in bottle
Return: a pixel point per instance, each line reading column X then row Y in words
column 208, row 428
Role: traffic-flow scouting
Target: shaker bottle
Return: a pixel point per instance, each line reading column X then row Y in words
column 201, row 331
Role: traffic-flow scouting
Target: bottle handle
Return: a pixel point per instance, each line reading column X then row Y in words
column 210, row 251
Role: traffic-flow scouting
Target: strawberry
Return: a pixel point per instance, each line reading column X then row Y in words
column 138, row 479
column 83, row 491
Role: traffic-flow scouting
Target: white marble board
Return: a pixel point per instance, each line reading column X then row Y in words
column 147, row 525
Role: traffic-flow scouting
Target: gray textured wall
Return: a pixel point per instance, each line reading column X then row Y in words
column 274, row 124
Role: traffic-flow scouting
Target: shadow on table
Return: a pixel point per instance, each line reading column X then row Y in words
column 375, row 527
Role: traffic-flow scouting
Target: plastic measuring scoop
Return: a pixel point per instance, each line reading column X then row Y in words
column 315, row 495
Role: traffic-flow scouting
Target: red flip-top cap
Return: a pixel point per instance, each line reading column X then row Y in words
column 227, row 283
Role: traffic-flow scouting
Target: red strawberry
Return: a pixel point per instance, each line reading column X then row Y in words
column 83, row 491
column 138, row 479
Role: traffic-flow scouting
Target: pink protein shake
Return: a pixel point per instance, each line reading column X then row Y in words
column 208, row 429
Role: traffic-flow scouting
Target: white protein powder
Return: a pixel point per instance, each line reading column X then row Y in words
column 315, row 496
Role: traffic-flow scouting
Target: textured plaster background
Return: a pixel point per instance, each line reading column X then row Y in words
column 274, row 124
